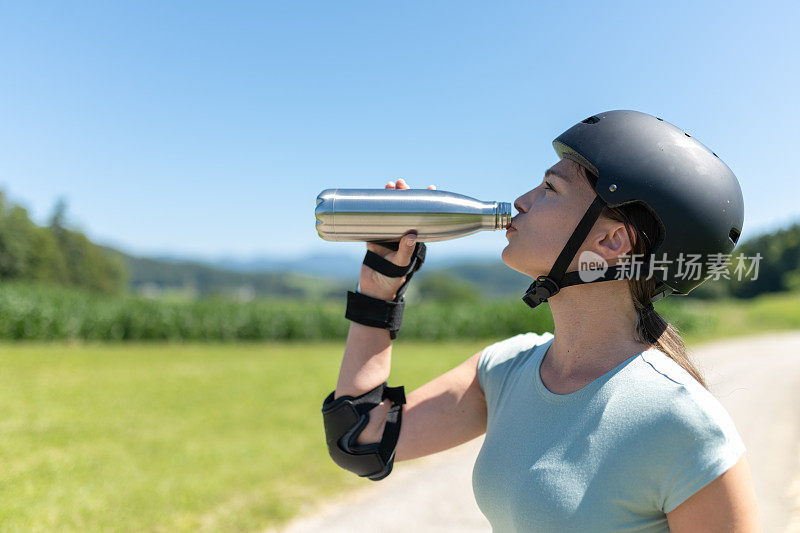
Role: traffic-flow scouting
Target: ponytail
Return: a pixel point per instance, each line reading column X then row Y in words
column 652, row 328
column 644, row 232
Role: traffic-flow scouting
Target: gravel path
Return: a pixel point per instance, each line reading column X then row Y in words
column 757, row 379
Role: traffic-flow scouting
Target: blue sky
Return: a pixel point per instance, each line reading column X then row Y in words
column 207, row 129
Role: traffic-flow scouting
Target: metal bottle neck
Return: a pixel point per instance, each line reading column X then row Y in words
column 502, row 215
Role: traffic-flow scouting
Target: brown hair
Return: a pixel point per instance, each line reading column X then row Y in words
column 651, row 327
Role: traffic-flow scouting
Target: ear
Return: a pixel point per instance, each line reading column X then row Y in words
column 612, row 241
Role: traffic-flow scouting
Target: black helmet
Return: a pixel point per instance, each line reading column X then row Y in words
column 693, row 195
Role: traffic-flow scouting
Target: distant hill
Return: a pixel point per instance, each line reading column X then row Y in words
column 326, row 276
column 331, row 265
column 493, row 279
column 320, row 264
column 191, row 279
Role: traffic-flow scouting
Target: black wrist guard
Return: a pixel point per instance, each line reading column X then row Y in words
column 378, row 313
column 346, row 417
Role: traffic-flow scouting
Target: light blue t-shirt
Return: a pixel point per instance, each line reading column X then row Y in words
column 615, row 455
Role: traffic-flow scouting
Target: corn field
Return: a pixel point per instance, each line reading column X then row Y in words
column 33, row 312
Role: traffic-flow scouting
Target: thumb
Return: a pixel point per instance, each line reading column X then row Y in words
column 405, row 249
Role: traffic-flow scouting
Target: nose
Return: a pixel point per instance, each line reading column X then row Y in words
column 518, row 205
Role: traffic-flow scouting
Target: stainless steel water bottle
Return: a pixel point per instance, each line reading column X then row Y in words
column 387, row 214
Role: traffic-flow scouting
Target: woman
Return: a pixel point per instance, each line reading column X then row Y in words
column 604, row 425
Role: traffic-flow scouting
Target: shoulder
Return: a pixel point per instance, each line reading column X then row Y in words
column 513, row 346
column 689, row 432
column 682, row 397
column 500, row 355
column 678, row 399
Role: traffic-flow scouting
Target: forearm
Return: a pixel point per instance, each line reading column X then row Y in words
column 366, row 362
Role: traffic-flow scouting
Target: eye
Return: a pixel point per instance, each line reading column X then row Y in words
column 548, row 186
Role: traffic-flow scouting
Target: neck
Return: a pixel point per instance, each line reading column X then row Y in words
column 595, row 327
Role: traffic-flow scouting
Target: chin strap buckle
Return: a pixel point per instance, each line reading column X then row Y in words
column 540, row 290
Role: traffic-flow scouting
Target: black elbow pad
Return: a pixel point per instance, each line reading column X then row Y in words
column 346, row 417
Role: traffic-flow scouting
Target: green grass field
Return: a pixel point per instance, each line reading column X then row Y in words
column 170, row 437
column 174, row 438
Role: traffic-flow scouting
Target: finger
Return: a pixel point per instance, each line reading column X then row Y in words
column 405, row 250
column 401, row 184
column 432, row 187
column 390, row 185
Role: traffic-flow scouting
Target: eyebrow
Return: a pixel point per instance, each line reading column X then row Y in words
column 559, row 175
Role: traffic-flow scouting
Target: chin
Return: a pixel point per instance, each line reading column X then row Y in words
column 504, row 256
column 515, row 264
column 507, row 257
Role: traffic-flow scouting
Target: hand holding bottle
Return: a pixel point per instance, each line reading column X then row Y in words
column 375, row 284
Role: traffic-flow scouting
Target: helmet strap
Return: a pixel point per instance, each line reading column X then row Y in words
column 545, row 287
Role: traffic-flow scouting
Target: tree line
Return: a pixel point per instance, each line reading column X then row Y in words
column 53, row 254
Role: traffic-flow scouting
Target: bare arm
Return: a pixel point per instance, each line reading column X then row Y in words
column 443, row 413
column 727, row 504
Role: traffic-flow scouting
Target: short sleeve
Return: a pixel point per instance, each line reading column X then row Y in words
column 496, row 361
column 703, row 444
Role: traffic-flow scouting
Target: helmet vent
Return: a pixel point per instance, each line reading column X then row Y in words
column 661, row 119
column 687, row 134
column 733, row 235
column 591, row 120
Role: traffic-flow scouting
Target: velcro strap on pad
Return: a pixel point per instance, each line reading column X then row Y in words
column 374, row 312
column 392, row 245
column 395, row 394
column 385, row 267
